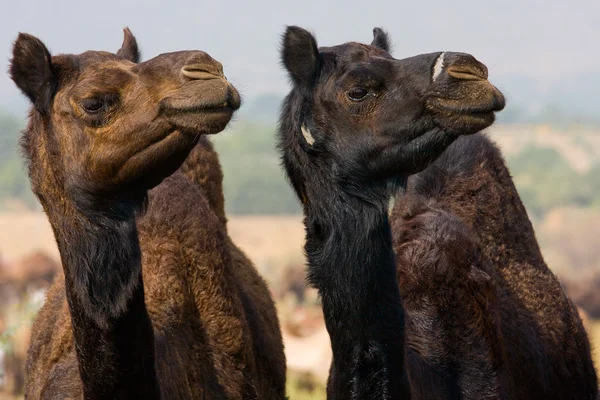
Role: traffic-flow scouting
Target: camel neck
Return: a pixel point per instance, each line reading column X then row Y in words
column 472, row 171
column 351, row 263
column 113, row 334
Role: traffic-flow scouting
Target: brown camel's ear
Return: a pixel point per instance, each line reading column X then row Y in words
column 129, row 49
column 381, row 39
column 31, row 69
column 300, row 55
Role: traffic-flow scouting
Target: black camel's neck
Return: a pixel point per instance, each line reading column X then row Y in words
column 113, row 333
column 351, row 263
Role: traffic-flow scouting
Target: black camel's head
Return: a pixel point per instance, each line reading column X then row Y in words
column 367, row 117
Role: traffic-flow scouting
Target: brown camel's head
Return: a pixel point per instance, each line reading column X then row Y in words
column 106, row 124
column 368, row 115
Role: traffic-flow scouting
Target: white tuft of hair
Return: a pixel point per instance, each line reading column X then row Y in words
column 438, row 67
column 307, row 135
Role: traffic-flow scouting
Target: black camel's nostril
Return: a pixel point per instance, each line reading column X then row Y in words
column 467, row 73
column 465, row 67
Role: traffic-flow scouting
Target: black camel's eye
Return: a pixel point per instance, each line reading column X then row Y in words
column 357, row 93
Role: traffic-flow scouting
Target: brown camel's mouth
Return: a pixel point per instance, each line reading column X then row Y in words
column 207, row 113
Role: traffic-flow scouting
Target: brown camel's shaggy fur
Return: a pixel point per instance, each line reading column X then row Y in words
column 453, row 343
column 546, row 349
column 211, row 343
column 155, row 301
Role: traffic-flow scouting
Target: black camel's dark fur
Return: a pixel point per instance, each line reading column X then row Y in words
column 356, row 123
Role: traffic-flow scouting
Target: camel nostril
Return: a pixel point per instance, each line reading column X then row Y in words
column 202, row 72
column 467, row 73
column 461, row 66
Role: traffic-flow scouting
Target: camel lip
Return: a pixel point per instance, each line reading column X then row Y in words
column 474, row 110
column 202, row 118
column 226, row 102
column 200, row 109
column 495, row 103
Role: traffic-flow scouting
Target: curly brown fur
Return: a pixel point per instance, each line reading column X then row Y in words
column 216, row 330
column 155, row 301
column 453, row 342
column 547, row 349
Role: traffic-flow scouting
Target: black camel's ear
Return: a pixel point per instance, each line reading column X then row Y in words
column 129, row 49
column 300, row 55
column 31, row 69
column 381, row 40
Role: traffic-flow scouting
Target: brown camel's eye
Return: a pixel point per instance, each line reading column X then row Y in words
column 358, row 93
column 92, row 105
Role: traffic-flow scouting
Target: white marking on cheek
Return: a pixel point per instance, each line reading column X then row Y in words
column 439, row 65
column 307, row 136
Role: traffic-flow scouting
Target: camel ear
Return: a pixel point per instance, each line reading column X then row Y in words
column 381, row 39
column 300, row 55
column 129, row 49
column 32, row 71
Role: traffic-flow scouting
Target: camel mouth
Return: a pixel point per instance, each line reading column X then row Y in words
column 472, row 112
column 463, row 122
column 214, row 95
column 200, row 118
column 208, row 112
column 200, row 109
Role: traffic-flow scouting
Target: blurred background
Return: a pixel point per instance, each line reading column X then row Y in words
column 543, row 55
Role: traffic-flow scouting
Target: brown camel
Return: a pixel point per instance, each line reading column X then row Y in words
column 155, row 301
column 355, row 125
column 545, row 347
column 453, row 342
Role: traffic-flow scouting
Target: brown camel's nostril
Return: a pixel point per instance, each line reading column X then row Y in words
column 202, row 71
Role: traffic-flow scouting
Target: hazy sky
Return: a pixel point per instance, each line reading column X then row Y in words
column 545, row 39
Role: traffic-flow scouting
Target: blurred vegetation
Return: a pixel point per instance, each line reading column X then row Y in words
column 304, row 386
column 546, row 180
column 254, row 181
column 13, row 178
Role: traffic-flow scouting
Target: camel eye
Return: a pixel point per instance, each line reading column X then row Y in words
column 358, row 93
column 92, row 105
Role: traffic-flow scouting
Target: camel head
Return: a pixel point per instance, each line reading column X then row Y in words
column 358, row 111
column 104, row 123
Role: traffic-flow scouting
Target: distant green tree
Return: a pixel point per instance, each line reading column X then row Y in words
column 254, row 181
column 546, row 180
column 13, row 177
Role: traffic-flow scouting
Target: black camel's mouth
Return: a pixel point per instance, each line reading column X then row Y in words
column 469, row 114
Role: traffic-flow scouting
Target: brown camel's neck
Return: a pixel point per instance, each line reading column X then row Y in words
column 480, row 191
column 471, row 352
column 202, row 167
column 351, row 263
column 112, row 330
